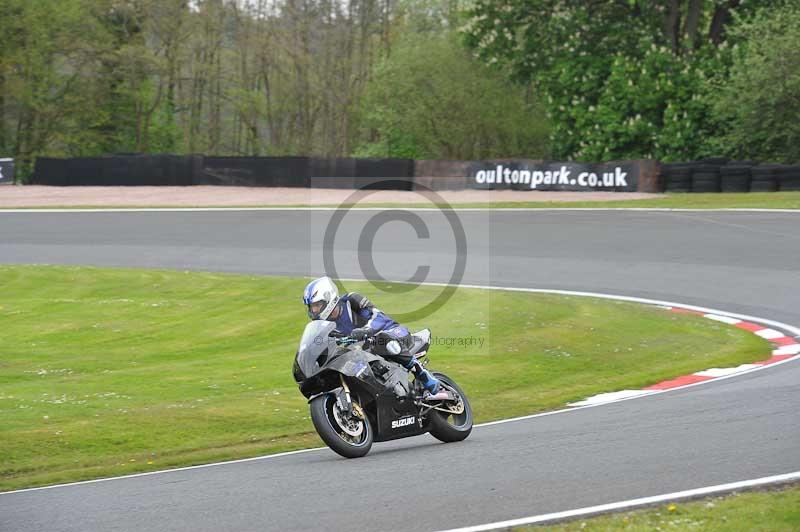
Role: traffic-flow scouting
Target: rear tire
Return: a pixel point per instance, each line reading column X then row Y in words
column 452, row 427
column 331, row 432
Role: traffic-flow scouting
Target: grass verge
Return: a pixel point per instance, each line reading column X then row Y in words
column 750, row 200
column 775, row 510
column 110, row 371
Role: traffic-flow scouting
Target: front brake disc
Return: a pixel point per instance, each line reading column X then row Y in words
column 350, row 426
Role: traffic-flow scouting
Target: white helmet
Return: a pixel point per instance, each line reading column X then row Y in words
column 321, row 290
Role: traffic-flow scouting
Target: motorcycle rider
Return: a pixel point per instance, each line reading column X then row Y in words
column 358, row 318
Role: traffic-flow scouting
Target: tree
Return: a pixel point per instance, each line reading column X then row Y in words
column 623, row 79
column 430, row 99
column 757, row 106
column 48, row 53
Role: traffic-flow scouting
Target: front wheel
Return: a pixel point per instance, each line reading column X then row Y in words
column 350, row 437
column 456, row 424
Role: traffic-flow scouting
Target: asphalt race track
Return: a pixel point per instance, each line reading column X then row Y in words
column 724, row 431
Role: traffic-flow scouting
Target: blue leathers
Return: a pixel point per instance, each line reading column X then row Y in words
column 357, row 312
column 359, row 317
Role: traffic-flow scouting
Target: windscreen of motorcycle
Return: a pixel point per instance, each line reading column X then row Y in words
column 314, row 343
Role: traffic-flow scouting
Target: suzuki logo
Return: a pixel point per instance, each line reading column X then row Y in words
column 396, row 424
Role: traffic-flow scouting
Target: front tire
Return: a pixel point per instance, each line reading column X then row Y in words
column 451, row 427
column 332, row 433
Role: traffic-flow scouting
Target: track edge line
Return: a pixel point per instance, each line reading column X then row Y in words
column 633, row 503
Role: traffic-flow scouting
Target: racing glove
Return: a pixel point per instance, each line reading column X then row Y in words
column 361, row 333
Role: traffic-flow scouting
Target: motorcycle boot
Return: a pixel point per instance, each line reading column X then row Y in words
column 429, row 382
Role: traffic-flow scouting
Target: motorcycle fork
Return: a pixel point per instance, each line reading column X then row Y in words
column 350, row 407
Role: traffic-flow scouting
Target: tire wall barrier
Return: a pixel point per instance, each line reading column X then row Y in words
column 718, row 174
column 253, row 172
column 174, row 170
column 706, row 175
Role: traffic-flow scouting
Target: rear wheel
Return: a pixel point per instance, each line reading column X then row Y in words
column 456, row 424
column 349, row 436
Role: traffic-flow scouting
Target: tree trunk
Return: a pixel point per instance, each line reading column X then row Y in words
column 148, row 115
column 672, row 24
column 3, row 146
column 692, row 21
column 721, row 17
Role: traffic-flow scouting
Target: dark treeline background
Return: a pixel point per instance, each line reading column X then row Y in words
column 459, row 79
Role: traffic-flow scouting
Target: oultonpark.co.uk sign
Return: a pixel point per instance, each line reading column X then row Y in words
column 554, row 176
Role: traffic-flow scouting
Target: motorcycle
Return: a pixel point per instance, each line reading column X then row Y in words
column 357, row 398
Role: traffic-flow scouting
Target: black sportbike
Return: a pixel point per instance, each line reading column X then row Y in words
column 357, row 398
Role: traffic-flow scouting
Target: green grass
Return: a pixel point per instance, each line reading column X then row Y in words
column 109, row 371
column 752, row 200
column 777, row 510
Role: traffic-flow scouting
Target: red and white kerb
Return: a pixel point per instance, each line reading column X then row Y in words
column 785, row 347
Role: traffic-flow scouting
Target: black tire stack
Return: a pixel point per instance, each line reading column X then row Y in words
column 676, row 177
column 717, row 174
column 705, row 178
column 763, row 178
column 788, row 177
column 735, row 177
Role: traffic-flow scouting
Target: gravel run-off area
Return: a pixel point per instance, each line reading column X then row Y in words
column 221, row 196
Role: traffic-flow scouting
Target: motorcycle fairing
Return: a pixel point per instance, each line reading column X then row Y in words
column 394, row 403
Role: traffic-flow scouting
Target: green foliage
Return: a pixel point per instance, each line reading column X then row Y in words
column 429, row 99
column 758, row 105
column 164, row 134
column 653, row 106
column 46, row 56
column 79, row 78
column 622, row 79
column 606, row 80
